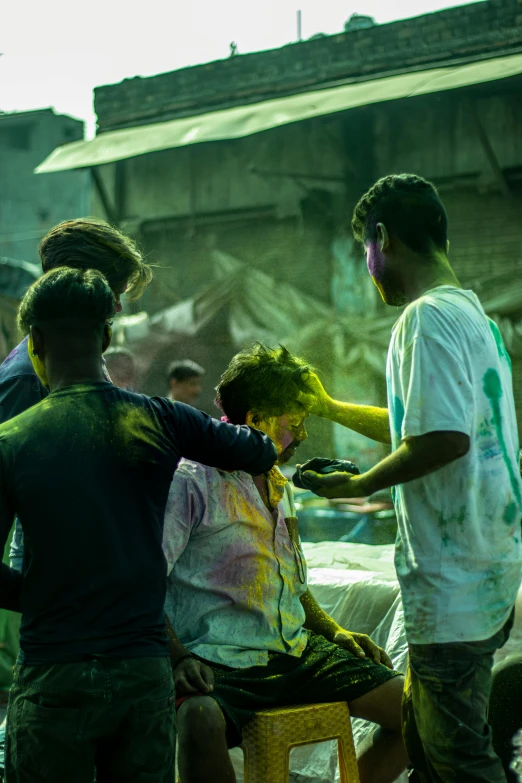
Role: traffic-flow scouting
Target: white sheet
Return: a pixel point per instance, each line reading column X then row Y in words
column 356, row 584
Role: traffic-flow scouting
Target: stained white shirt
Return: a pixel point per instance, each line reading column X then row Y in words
column 458, row 552
column 235, row 578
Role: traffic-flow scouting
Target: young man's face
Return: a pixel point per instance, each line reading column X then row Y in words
column 381, row 267
column 186, row 391
column 287, row 432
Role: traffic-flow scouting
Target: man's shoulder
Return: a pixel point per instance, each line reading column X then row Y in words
column 16, row 428
column 438, row 312
column 17, row 363
column 188, row 469
column 203, row 477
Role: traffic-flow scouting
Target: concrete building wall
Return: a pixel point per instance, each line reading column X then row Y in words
column 31, row 203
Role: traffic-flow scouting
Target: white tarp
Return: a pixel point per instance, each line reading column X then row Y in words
column 357, row 585
column 246, row 120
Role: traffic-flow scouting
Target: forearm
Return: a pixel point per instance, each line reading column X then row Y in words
column 177, row 650
column 365, row 419
column 317, row 620
column 10, row 588
column 414, row 459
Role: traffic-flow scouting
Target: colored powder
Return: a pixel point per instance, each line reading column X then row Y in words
column 398, row 416
column 493, row 391
column 375, row 262
column 501, row 348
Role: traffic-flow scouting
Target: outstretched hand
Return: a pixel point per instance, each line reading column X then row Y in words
column 362, row 646
column 337, row 485
column 193, row 676
column 315, row 400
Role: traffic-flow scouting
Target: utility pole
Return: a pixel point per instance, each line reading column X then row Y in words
column 299, row 31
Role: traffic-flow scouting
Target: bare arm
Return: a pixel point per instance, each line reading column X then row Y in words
column 190, row 675
column 415, row 457
column 319, row 622
column 367, row 420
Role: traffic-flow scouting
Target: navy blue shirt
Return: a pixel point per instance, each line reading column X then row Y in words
column 87, row 471
column 20, row 387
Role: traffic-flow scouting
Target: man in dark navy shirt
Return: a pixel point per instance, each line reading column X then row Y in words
column 84, row 243
column 87, row 471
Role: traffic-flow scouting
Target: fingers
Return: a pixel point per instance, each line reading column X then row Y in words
column 386, row 660
column 207, row 676
column 349, row 643
column 374, row 652
column 182, row 684
column 199, row 679
column 327, row 479
column 307, row 400
column 193, row 677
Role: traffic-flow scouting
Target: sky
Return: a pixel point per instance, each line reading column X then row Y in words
column 54, row 52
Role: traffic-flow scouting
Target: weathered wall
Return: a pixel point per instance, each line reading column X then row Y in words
column 437, row 138
column 281, row 217
column 187, row 201
column 31, row 203
column 465, row 31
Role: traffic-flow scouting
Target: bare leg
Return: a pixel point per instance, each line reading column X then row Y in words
column 382, row 757
column 203, row 752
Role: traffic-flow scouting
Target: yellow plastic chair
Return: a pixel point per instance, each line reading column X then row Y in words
column 270, row 736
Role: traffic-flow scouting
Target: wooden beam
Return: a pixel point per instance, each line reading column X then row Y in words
column 489, row 151
column 120, row 182
column 108, row 208
column 294, row 175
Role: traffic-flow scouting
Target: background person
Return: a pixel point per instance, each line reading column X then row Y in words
column 121, row 366
column 84, row 243
column 87, row 471
column 185, row 379
column 454, row 469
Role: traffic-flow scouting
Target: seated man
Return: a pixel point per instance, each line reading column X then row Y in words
column 246, row 633
column 87, row 470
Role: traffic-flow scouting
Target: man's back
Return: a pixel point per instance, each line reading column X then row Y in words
column 87, row 471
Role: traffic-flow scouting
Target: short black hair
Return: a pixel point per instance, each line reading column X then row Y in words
column 119, row 356
column 410, row 208
column 63, row 294
column 184, row 369
column 261, row 379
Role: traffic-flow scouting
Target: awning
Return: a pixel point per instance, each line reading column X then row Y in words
column 246, row 120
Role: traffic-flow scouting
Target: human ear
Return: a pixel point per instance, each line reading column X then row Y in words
column 382, row 236
column 37, row 342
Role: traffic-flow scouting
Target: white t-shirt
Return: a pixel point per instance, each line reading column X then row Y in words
column 458, row 553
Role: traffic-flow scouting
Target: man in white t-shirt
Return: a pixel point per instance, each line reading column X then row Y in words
column 454, row 469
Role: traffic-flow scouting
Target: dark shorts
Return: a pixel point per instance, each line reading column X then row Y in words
column 445, row 711
column 65, row 719
column 325, row 672
column 505, row 709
